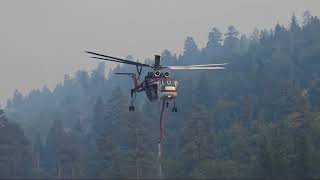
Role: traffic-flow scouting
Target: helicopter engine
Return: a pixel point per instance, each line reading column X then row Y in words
column 157, row 73
column 166, row 74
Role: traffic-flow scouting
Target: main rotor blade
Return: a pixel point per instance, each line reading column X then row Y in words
column 209, row 65
column 114, row 59
column 129, row 62
column 199, row 67
column 125, row 73
column 129, row 74
column 193, row 68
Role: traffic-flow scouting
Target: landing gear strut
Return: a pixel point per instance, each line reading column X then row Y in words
column 133, row 97
column 131, row 107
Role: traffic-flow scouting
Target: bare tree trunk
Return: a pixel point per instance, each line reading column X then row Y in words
column 137, row 170
column 72, row 171
column 59, row 171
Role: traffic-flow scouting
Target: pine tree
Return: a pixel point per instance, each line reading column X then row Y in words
column 15, row 152
column 196, row 145
column 80, row 150
column 231, row 42
column 110, row 158
column 17, row 99
column 273, row 160
column 190, row 46
column 238, row 143
column 63, row 151
column 307, row 18
column 3, row 119
column 214, row 38
column 304, row 154
column 244, row 44
column 37, row 152
column 254, row 37
column 116, row 115
column 99, row 122
column 97, row 82
column 167, row 58
column 110, row 122
column 191, row 51
column 201, row 94
column 59, row 144
column 139, row 160
column 294, row 26
column 279, row 31
column 232, row 32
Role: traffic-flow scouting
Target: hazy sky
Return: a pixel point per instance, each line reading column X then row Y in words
column 41, row 40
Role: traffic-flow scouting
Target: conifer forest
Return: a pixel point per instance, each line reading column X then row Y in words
column 259, row 118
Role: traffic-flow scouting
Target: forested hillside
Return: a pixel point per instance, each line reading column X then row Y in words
column 258, row 118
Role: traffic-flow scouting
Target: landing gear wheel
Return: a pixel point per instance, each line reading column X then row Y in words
column 174, row 109
column 131, row 108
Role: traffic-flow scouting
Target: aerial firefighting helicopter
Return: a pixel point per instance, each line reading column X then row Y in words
column 158, row 84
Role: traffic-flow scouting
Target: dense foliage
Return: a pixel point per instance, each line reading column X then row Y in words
column 258, row 118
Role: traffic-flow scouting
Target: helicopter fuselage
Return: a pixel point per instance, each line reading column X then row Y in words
column 157, row 85
column 159, row 88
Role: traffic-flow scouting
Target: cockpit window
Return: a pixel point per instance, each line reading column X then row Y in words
column 168, row 82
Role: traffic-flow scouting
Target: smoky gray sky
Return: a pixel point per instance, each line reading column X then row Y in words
column 41, row 40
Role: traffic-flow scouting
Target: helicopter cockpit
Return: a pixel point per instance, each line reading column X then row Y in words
column 168, row 83
column 162, row 83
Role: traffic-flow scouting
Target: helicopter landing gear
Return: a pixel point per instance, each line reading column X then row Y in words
column 174, row 109
column 133, row 97
column 131, row 108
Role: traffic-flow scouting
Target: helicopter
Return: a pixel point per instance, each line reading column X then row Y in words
column 158, row 84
